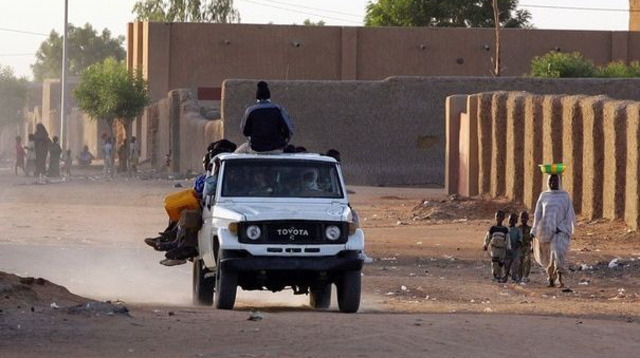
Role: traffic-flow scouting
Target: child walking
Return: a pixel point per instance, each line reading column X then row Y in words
column 497, row 241
column 512, row 261
column 67, row 161
column 527, row 250
column 19, row 155
column 31, row 155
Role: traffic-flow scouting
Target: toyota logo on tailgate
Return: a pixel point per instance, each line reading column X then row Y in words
column 292, row 232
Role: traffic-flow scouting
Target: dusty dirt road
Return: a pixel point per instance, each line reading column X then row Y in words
column 428, row 292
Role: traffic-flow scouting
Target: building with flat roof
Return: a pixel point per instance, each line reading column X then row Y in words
column 201, row 56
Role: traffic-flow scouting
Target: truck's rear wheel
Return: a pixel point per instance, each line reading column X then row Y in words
column 320, row 298
column 226, row 287
column 349, row 287
column 202, row 286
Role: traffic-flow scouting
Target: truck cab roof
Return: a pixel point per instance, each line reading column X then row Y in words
column 278, row 156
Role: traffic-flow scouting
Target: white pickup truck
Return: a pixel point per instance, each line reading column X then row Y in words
column 278, row 221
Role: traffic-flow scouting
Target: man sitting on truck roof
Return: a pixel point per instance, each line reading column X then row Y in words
column 266, row 125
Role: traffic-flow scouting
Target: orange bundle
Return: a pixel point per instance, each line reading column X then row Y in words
column 175, row 203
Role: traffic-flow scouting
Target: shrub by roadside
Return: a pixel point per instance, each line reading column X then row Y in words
column 574, row 65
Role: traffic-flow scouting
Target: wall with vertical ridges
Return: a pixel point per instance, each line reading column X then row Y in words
column 596, row 137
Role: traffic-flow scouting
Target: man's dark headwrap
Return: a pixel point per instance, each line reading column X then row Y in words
column 263, row 91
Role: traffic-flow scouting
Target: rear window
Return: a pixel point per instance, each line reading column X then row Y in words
column 281, row 179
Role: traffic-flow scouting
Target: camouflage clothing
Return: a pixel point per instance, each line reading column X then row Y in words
column 498, row 243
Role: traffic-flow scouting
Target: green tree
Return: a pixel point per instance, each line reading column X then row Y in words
column 562, row 65
column 218, row 11
column 13, row 97
column 445, row 13
column 308, row 22
column 86, row 47
column 107, row 91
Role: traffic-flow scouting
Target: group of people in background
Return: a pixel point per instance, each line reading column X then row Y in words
column 32, row 157
column 128, row 155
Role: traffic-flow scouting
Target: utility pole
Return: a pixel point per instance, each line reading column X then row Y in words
column 496, row 19
column 63, row 82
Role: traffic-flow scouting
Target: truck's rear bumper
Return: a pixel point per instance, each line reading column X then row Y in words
column 345, row 262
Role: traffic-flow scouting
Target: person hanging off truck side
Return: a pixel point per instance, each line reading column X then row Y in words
column 174, row 239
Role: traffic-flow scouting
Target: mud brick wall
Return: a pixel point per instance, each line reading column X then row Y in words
column 572, row 148
column 632, row 172
column 533, row 146
column 597, row 137
column 592, row 157
column 615, row 158
column 515, row 146
column 392, row 132
column 176, row 126
column 499, row 142
column 485, row 118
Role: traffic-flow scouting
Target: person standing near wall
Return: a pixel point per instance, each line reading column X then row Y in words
column 512, row 260
column 107, row 152
column 134, row 155
column 19, row 155
column 42, row 142
column 123, row 157
column 31, row 155
column 553, row 224
column 66, row 160
column 54, row 158
column 266, row 125
column 525, row 263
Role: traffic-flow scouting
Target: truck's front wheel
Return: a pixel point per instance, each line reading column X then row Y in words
column 202, row 285
column 226, row 286
column 349, row 287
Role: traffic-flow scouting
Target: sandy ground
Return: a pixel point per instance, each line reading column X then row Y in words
column 427, row 293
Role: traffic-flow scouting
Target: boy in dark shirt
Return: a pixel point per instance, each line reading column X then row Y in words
column 497, row 241
column 525, row 262
column 512, row 260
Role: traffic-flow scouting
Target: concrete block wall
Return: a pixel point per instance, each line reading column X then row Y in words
column 597, row 137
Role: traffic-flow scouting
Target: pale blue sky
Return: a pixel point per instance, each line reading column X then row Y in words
column 40, row 16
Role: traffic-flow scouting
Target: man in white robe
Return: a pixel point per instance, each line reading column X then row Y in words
column 553, row 224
